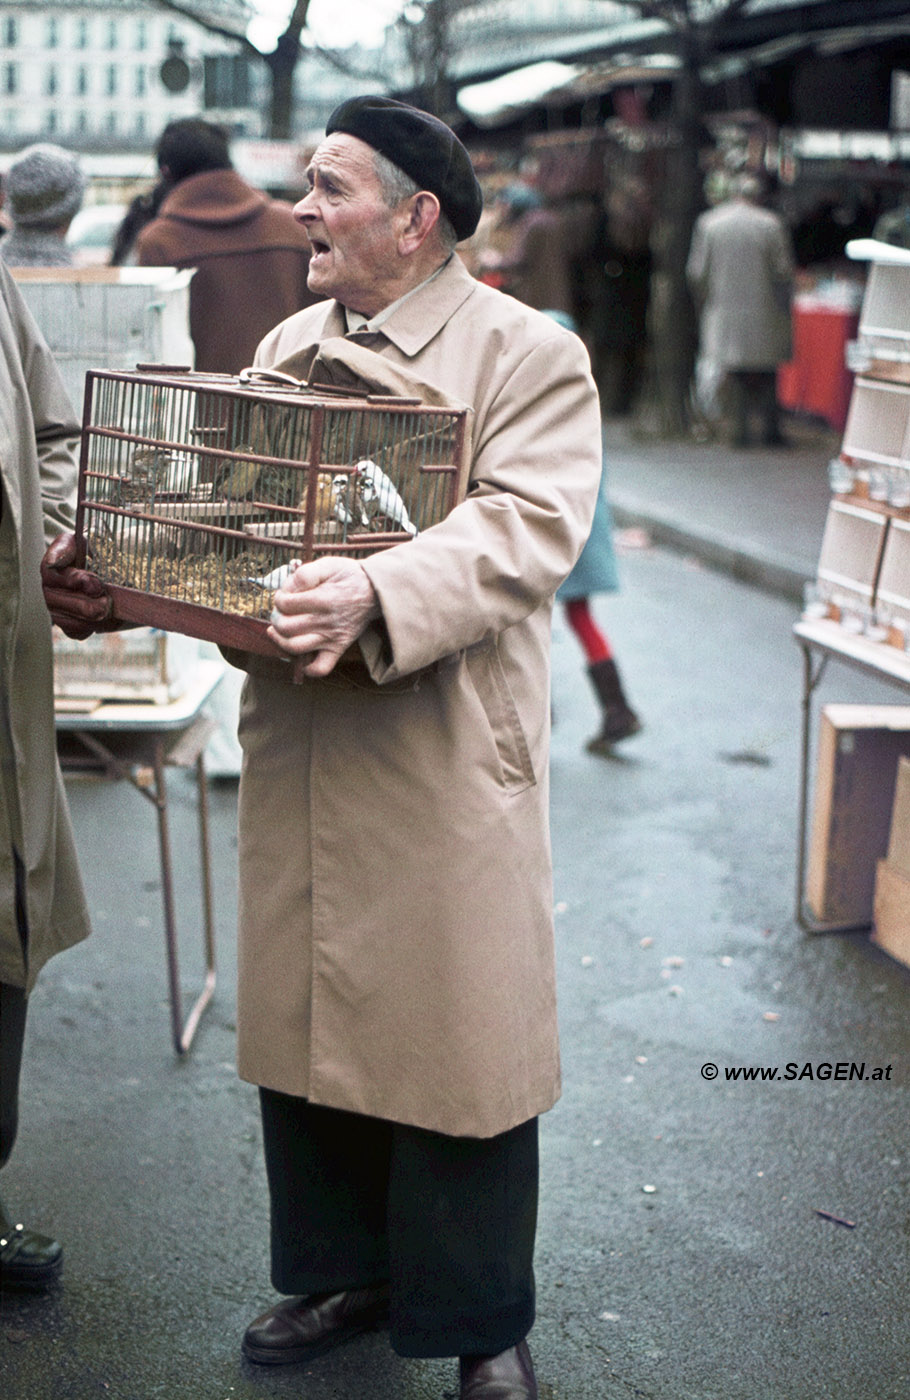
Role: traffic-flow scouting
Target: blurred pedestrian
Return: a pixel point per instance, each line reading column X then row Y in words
column 142, row 208
column 251, row 256
column 536, row 270
column 740, row 269
column 617, row 286
column 44, row 188
column 532, row 263
column 42, row 905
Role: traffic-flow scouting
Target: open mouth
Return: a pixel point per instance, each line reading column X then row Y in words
column 318, row 247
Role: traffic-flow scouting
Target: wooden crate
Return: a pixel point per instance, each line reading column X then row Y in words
column 138, row 664
column 851, row 550
column 116, row 317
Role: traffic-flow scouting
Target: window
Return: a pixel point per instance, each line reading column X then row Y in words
column 53, row 32
column 140, row 86
column 111, row 34
column 111, row 123
column 139, row 125
column 11, row 77
column 10, row 31
column 81, row 80
column 110, row 86
column 82, row 33
column 50, row 121
column 51, row 81
column 81, row 122
column 141, row 35
column 226, row 80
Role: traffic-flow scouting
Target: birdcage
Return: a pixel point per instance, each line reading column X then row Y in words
column 200, row 493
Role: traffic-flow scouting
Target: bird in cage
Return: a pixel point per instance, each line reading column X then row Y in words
column 238, row 479
column 380, row 497
column 365, row 497
column 278, row 577
column 149, row 467
column 347, row 506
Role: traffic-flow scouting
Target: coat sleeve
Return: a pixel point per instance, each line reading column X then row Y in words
column 56, row 425
column 503, row 552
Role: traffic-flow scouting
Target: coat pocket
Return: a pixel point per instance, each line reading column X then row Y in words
column 491, row 686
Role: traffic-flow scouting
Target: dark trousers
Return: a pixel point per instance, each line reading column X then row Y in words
column 13, row 1006
column 754, row 391
column 448, row 1222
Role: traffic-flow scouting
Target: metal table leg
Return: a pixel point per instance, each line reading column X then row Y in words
column 184, row 1031
column 151, row 783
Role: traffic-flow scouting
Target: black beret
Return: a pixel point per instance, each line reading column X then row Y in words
column 422, row 146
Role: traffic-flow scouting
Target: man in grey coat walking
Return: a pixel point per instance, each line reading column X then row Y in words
column 740, row 270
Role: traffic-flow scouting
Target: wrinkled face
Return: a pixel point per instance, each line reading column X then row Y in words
column 352, row 230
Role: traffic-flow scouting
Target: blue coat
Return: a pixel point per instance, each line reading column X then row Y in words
column 595, row 571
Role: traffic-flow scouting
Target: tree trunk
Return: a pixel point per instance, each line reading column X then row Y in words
column 675, row 330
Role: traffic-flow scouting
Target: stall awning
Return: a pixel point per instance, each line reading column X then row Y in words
column 503, row 99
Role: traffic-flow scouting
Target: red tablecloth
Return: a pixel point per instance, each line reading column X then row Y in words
column 817, row 380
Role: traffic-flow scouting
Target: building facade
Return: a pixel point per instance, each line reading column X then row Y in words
column 110, row 76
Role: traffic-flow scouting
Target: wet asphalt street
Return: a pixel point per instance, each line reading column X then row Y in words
column 681, row 1253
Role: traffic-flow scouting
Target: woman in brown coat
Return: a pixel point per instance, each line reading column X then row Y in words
column 250, row 256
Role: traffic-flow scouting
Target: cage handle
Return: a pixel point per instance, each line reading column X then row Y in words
column 275, row 376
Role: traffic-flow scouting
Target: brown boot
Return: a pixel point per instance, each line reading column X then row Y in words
column 619, row 720
column 299, row 1329
column 508, row 1376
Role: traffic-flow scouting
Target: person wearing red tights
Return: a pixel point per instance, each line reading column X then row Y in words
column 595, row 572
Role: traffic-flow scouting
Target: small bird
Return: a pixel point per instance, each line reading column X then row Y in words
column 278, row 577
column 380, row 496
column 347, row 505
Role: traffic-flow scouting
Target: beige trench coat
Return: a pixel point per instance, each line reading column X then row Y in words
column 396, row 937
column 38, row 440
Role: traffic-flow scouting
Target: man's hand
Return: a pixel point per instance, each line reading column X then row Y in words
column 323, row 608
column 77, row 600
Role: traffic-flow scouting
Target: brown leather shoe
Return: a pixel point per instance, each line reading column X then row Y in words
column 301, row 1328
column 508, row 1376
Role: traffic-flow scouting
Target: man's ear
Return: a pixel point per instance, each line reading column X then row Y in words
column 422, row 215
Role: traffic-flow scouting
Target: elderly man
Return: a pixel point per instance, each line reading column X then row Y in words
column 396, row 985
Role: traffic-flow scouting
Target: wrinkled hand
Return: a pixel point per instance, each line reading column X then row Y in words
column 322, row 609
column 76, row 599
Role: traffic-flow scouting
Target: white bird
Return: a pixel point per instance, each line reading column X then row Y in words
column 380, row 496
column 278, row 577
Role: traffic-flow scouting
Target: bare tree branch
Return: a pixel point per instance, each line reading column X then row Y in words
column 225, row 31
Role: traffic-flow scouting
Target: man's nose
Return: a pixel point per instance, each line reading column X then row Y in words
column 302, row 211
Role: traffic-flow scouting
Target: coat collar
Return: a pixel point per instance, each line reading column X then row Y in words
column 422, row 315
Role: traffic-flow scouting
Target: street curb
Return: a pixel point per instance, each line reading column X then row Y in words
column 777, row 576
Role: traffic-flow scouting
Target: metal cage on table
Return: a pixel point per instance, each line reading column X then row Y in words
column 198, row 493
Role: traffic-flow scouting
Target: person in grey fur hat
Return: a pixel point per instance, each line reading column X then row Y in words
column 43, row 189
